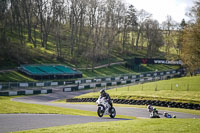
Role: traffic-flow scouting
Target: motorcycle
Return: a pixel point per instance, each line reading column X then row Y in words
column 154, row 114
column 104, row 108
column 167, row 115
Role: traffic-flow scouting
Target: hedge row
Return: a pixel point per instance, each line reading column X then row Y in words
column 143, row 102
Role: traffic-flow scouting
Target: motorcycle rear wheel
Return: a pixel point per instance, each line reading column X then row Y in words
column 112, row 112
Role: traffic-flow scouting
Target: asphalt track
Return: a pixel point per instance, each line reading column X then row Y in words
column 18, row 122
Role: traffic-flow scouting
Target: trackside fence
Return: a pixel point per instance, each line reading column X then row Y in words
column 98, row 81
column 158, row 87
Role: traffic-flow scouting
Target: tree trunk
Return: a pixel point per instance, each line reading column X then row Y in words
column 138, row 38
column 133, row 40
column 142, row 41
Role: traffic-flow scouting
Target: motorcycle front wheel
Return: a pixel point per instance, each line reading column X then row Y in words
column 100, row 112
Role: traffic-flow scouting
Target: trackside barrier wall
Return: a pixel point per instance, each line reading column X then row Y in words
column 10, row 85
column 143, row 102
column 25, row 92
column 67, row 89
column 93, row 85
column 125, row 80
column 39, row 84
column 158, row 75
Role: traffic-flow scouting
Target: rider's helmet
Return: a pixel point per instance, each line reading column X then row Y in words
column 102, row 91
column 165, row 113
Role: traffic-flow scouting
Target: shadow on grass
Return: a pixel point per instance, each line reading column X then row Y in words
column 115, row 118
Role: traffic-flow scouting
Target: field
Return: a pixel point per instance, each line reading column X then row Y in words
column 129, row 126
column 181, row 90
column 14, row 76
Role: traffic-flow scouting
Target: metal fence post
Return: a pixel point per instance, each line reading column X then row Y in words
column 156, row 88
column 171, row 87
column 188, row 87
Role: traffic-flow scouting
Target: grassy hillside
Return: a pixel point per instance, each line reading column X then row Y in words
column 43, row 55
column 121, row 69
column 179, row 92
column 39, row 55
column 14, row 76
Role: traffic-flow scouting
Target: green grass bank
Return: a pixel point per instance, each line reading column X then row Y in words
column 129, row 126
column 176, row 90
column 14, row 76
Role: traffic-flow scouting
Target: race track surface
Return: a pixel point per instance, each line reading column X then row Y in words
column 18, row 122
column 129, row 111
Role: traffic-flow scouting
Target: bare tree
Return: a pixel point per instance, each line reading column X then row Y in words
column 132, row 18
column 113, row 17
column 168, row 28
column 58, row 22
column 125, row 26
column 28, row 13
column 154, row 37
column 142, row 16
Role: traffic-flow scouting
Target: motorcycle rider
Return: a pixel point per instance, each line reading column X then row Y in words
column 167, row 115
column 153, row 112
column 149, row 108
column 106, row 96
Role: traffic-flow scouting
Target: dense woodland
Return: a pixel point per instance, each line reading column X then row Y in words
column 90, row 31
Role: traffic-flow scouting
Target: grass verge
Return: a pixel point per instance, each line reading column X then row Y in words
column 175, row 96
column 9, row 107
column 134, row 126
